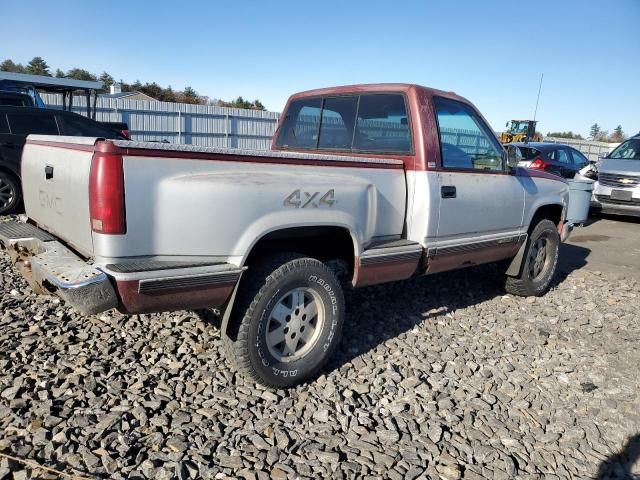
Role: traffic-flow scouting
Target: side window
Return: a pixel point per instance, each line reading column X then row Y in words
column 22, row 124
column 465, row 140
column 578, row 158
column 4, row 126
column 382, row 124
column 560, row 155
column 77, row 126
column 336, row 126
column 300, row 127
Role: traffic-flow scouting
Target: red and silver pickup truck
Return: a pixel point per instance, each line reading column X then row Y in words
column 375, row 182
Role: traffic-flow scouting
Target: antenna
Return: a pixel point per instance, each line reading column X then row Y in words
column 535, row 112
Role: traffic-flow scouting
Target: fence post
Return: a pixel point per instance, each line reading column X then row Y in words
column 179, row 127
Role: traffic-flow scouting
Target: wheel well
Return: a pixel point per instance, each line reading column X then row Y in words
column 4, row 169
column 322, row 242
column 550, row 212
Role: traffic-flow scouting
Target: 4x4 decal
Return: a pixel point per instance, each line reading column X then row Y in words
column 301, row 199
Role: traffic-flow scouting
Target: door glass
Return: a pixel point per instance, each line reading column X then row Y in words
column 579, row 159
column 22, row 124
column 561, row 155
column 465, row 140
column 336, row 128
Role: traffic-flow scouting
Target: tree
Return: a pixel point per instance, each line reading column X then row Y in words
column 190, row 95
column 257, row 104
column 594, row 132
column 152, row 89
column 168, row 95
column 107, row 80
column 568, row 134
column 59, row 73
column 80, row 74
column 9, row 66
column 618, row 135
column 37, row 66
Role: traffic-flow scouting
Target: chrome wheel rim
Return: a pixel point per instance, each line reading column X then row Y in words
column 539, row 257
column 294, row 324
column 6, row 194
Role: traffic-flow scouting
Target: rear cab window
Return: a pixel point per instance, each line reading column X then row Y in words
column 367, row 123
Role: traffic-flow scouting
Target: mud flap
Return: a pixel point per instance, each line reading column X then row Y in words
column 516, row 263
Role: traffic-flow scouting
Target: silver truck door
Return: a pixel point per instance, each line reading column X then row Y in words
column 481, row 202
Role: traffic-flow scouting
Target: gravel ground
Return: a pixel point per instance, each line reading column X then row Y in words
column 440, row 377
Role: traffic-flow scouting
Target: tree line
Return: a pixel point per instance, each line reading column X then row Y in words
column 595, row 133
column 38, row 66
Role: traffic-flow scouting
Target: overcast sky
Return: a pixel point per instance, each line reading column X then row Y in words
column 492, row 52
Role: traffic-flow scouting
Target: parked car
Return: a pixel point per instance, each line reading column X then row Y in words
column 555, row 158
column 18, row 122
column 617, row 190
column 16, row 99
column 367, row 183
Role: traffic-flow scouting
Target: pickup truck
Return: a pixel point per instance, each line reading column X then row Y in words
column 363, row 185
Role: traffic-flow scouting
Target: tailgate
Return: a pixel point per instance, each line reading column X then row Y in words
column 55, row 180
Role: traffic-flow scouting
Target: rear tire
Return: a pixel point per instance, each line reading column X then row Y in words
column 10, row 193
column 539, row 262
column 286, row 322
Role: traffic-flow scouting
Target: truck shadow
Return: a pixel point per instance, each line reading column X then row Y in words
column 379, row 313
column 621, row 464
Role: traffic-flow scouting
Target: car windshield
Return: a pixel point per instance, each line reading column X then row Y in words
column 629, row 150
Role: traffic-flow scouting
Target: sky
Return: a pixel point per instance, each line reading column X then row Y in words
column 492, row 52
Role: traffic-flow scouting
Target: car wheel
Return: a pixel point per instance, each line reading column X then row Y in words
column 287, row 320
column 539, row 262
column 10, row 194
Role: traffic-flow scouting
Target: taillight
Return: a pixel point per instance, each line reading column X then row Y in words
column 125, row 134
column 106, row 194
column 538, row 164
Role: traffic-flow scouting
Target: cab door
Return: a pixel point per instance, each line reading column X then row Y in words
column 482, row 202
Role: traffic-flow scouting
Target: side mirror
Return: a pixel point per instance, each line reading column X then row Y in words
column 513, row 157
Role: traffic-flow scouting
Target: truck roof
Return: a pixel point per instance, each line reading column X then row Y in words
column 377, row 87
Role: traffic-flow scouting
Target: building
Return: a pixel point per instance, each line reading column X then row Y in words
column 116, row 92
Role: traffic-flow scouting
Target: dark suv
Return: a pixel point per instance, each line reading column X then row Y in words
column 18, row 122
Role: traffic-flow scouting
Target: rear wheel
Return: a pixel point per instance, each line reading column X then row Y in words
column 287, row 320
column 9, row 193
column 539, row 263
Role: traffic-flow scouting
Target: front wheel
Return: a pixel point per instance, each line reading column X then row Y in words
column 539, row 263
column 287, row 320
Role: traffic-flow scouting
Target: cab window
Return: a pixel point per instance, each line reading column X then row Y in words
column 376, row 123
column 465, row 140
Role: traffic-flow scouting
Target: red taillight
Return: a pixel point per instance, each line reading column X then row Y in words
column 538, row 164
column 106, row 194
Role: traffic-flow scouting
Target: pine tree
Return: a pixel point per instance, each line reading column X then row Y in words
column 618, row 134
column 594, row 132
column 37, row 66
column 59, row 73
column 9, row 66
column 107, row 80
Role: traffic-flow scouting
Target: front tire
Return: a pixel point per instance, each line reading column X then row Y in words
column 287, row 320
column 10, row 193
column 539, row 262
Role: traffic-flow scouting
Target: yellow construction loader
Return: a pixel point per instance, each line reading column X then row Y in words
column 520, row 131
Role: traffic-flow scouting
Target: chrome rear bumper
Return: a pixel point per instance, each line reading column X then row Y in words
column 50, row 267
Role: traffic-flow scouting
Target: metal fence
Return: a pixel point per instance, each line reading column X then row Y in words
column 183, row 123
column 211, row 126
column 592, row 149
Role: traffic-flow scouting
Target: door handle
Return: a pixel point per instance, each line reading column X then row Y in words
column 448, row 191
column 48, row 172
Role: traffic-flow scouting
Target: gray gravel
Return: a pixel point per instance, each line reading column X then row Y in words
column 440, row 377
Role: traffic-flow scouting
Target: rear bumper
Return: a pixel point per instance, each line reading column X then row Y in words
column 134, row 287
column 50, row 267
